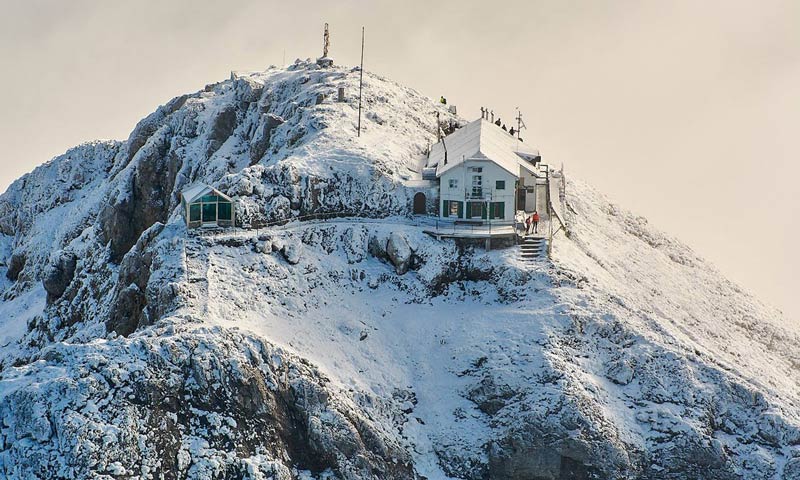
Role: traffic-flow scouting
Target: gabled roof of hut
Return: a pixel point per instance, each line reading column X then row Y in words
column 482, row 140
column 193, row 192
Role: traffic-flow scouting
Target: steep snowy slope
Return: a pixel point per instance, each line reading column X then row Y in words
column 359, row 348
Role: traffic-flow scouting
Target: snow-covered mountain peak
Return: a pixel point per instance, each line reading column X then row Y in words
column 359, row 347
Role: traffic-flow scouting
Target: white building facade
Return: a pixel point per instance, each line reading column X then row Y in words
column 478, row 189
column 484, row 173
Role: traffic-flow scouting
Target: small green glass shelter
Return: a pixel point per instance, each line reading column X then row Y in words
column 204, row 206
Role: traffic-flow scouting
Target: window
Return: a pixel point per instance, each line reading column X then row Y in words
column 453, row 182
column 209, row 198
column 224, row 211
column 497, row 210
column 476, row 169
column 476, row 210
column 477, row 186
column 500, row 185
column 194, row 212
column 453, row 209
column 209, row 212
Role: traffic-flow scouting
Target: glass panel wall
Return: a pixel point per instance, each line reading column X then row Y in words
column 224, row 210
column 209, row 212
column 194, row 212
column 211, row 209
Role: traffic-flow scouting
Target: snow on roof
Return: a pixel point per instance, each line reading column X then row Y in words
column 481, row 140
column 530, row 167
column 197, row 190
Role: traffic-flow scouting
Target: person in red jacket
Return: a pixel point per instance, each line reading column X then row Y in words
column 535, row 221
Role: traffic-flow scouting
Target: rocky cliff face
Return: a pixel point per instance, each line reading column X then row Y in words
column 358, row 348
column 173, row 403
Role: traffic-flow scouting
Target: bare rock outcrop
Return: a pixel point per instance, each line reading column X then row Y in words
column 221, row 128
column 263, row 135
column 150, row 124
column 149, row 197
column 136, row 303
column 59, row 273
column 15, row 266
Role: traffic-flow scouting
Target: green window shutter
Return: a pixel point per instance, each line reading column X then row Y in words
column 460, row 209
column 498, row 210
column 194, row 212
column 483, row 210
column 224, row 211
column 445, row 211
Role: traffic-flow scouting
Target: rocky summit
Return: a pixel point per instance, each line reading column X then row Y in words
column 327, row 336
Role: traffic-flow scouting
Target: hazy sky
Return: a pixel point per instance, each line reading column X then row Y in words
column 685, row 111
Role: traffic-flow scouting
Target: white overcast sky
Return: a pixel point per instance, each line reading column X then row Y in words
column 685, row 111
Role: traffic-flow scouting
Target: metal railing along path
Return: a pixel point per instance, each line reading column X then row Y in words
column 440, row 225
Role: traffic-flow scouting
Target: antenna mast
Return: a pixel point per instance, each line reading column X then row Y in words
column 361, row 75
column 326, row 42
column 520, row 123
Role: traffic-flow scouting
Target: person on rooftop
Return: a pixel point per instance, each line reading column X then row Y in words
column 443, row 100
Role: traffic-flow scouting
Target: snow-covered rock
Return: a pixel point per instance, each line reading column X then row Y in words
column 176, row 400
column 620, row 371
column 399, row 252
column 292, row 252
column 264, row 246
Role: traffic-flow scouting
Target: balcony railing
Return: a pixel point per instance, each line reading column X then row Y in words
column 478, row 194
column 488, row 194
column 470, row 227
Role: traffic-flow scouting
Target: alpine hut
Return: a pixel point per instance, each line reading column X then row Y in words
column 205, row 206
column 485, row 173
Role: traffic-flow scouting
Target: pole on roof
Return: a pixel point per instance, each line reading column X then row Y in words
column 360, row 81
column 520, row 123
